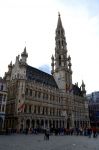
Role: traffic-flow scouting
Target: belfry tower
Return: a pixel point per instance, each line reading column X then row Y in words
column 61, row 63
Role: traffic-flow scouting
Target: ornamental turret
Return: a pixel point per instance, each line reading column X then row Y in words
column 24, row 56
column 52, row 64
column 83, row 88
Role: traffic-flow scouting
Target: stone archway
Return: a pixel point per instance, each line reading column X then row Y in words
column 42, row 123
column 68, row 123
column 28, row 123
column 50, row 124
column 38, row 123
column 56, row 123
column 46, row 123
column 33, row 124
column 53, row 123
column 60, row 123
column 77, row 123
column 63, row 124
column 1, row 123
column 80, row 123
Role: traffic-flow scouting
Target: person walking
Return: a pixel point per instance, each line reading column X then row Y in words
column 94, row 132
column 89, row 131
column 46, row 134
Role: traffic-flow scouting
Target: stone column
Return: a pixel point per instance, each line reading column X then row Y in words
column 32, row 108
column 48, row 110
column 48, row 124
column 41, row 110
column 36, row 109
column 2, row 123
column 18, row 125
column 72, row 122
column 62, row 123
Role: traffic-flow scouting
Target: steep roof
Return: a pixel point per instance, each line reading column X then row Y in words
column 40, row 76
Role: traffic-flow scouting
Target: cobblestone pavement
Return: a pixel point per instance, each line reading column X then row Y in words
column 37, row 142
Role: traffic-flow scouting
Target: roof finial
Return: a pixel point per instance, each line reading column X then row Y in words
column 25, row 47
column 59, row 14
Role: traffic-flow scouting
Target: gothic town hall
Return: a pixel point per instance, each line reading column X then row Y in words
column 40, row 100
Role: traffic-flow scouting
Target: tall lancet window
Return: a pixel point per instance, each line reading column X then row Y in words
column 62, row 43
column 59, row 60
column 59, row 44
column 58, row 32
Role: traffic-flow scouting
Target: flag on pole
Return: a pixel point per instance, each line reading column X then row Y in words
column 21, row 106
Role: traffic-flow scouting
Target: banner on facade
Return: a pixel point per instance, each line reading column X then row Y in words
column 21, row 106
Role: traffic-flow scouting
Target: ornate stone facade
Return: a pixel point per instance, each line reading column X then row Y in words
column 3, row 99
column 39, row 100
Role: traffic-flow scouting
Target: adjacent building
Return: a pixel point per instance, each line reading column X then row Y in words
column 93, row 99
column 3, row 99
column 37, row 99
column 94, row 114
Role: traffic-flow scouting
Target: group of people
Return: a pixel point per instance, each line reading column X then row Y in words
column 86, row 131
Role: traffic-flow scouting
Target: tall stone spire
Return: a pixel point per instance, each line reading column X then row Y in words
column 24, row 55
column 59, row 24
column 61, row 63
column 61, row 46
column 83, row 88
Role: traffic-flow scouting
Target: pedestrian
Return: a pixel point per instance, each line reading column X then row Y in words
column 89, row 132
column 46, row 135
column 94, row 132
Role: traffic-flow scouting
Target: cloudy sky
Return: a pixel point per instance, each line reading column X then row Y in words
column 32, row 23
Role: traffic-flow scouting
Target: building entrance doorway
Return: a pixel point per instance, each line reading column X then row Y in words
column 1, row 123
column 68, row 123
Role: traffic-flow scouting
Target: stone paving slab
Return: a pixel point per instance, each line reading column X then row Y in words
column 37, row 142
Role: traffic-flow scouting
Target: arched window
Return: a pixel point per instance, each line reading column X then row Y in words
column 30, row 109
column 26, row 92
column 58, row 32
column 38, row 109
column 62, row 43
column 59, row 60
column 25, row 109
column 2, row 87
column 30, row 92
column 59, row 44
